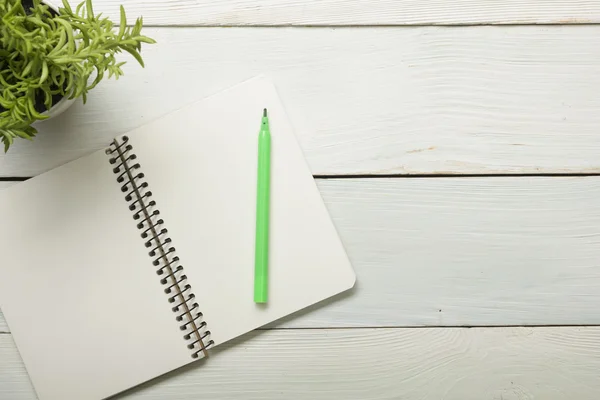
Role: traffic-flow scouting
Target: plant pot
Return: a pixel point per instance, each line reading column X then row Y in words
column 59, row 107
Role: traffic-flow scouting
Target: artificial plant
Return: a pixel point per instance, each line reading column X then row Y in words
column 45, row 56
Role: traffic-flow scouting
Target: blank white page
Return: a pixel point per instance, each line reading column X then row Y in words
column 77, row 287
column 201, row 165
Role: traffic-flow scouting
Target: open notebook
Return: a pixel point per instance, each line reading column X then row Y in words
column 80, row 284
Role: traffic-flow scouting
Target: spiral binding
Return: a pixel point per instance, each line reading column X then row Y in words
column 163, row 254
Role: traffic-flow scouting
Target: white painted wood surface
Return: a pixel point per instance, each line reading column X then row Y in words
column 354, row 12
column 423, row 364
column 422, row 100
column 407, row 99
column 464, row 252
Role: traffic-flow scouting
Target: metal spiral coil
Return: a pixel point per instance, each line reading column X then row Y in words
column 161, row 251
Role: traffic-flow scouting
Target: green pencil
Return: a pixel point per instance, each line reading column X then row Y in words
column 261, row 254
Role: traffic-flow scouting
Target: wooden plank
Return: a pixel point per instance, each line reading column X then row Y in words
column 465, row 252
column 3, row 325
column 423, row 364
column 355, row 12
column 424, row 100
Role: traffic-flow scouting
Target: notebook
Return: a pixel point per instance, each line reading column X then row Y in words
column 138, row 259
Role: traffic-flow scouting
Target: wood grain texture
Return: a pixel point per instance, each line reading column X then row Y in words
column 355, row 12
column 464, row 252
column 411, row 364
column 423, row 100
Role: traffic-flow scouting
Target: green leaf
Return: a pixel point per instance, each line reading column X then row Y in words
column 39, row 22
column 62, row 40
column 67, row 6
column 89, row 9
column 135, row 54
column 137, row 27
column 48, row 100
column 144, row 39
column 27, row 68
column 69, row 30
column 44, row 72
column 7, row 138
column 22, row 134
column 79, row 8
column 123, row 23
column 33, row 112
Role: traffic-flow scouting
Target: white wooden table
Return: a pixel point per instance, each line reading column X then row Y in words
column 457, row 146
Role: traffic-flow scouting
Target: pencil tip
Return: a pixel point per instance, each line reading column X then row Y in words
column 265, row 112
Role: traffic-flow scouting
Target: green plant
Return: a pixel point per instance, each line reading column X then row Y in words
column 45, row 56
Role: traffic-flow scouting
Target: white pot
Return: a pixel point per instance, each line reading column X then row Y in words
column 60, row 107
column 64, row 103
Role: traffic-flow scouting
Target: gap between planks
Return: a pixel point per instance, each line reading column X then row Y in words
column 371, row 26
column 400, row 176
column 344, row 328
